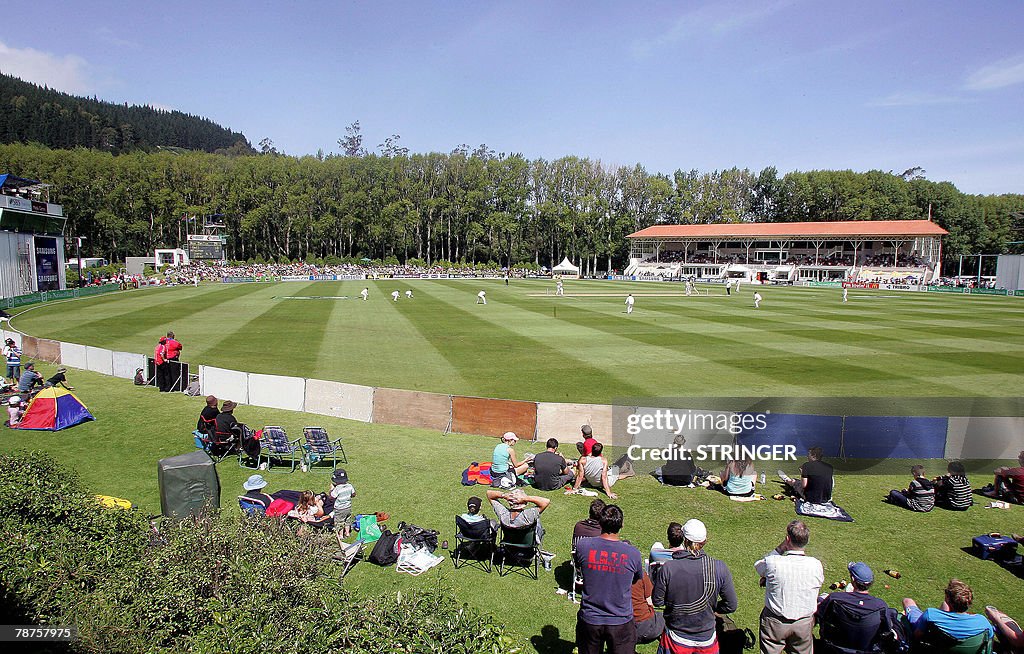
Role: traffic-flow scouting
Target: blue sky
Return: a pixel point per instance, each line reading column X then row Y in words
column 798, row 84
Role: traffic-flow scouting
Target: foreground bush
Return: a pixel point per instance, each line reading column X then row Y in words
column 215, row 585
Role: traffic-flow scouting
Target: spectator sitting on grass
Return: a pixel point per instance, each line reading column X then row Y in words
column 30, row 379
column 1009, row 481
column 505, row 465
column 594, row 469
column 815, row 483
column 309, row 508
column 14, row 411
column 919, row 496
column 737, row 479
column 551, row 472
column 953, row 490
column 59, row 379
column 951, row 617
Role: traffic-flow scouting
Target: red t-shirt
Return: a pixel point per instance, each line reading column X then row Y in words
column 588, row 445
column 173, row 348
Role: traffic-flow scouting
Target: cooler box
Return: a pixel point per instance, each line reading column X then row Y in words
column 188, row 484
column 997, row 548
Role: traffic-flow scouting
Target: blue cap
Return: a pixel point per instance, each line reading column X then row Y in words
column 861, row 572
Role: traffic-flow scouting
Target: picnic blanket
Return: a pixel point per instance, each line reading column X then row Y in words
column 477, row 473
column 825, row 510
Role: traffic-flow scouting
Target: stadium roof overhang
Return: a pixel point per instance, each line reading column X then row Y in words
column 830, row 231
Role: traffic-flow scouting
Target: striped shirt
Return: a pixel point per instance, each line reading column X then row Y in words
column 956, row 491
column 793, row 581
column 343, row 494
column 921, row 494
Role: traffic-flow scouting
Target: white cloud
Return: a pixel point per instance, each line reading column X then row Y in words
column 914, row 99
column 997, row 75
column 713, row 20
column 68, row 73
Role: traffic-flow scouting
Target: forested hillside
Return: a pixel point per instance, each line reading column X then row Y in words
column 474, row 206
column 31, row 113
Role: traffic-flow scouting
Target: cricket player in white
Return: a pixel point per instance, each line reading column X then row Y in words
column 364, row 293
column 846, row 294
column 629, row 303
column 394, row 295
column 559, row 289
column 689, row 288
column 728, row 287
column 408, row 294
column 757, row 300
column 481, row 297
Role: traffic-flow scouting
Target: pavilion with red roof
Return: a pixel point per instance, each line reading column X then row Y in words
column 890, row 251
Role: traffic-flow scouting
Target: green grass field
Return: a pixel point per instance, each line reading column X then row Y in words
column 527, row 344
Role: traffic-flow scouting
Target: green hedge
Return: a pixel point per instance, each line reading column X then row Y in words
column 216, row 584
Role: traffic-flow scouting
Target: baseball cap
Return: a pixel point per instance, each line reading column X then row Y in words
column 861, row 572
column 474, row 503
column 587, row 430
column 14, row 401
column 695, row 531
column 339, row 476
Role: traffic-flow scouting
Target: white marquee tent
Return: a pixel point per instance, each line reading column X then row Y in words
column 566, row 269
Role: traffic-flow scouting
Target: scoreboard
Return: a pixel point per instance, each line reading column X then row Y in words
column 202, row 246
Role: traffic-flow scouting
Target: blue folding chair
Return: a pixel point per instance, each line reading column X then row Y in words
column 319, row 448
column 275, row 447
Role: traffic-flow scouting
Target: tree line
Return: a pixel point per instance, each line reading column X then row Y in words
column 466, row 205
column 32, row 113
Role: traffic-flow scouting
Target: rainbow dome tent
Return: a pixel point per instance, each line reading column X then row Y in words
column 54, row 409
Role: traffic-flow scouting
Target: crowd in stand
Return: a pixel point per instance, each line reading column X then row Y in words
column 215, row 271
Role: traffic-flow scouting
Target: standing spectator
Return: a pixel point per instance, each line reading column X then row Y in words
column 160, row 361
column 342, row 492
column 692, row 587
column 951, row 618
column 919, row 496
column 172, row 351
column 815, row 483
column 953, row 490
column 12, row 353
column 792, row 581
column 609, row 567
column 851, row 619
column 550, row 469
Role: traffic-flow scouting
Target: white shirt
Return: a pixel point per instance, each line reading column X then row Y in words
column 481, row 294
column 629, row 300
column 793, row 581
column 394, row 294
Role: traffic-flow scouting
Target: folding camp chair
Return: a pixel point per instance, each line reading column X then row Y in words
column 218, row 446
column 275, row 446
column 319, row 447
column 251, row 506
column 349, row 554
column 519, row 546
column 576, row 585
column 474, row 542
column 937, row 640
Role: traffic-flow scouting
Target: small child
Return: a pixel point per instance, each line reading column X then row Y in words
column 953, row 490
column 15, row 409
column 310, row 507
column 919, row 496
column 342, row 492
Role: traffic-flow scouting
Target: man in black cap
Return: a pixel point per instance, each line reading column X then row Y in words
column 342, row 492
column 851, row 619
column 472, row 517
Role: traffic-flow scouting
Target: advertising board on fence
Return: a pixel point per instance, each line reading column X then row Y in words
column 947, row 289
column 237, row 280
column 860, row 285
column 899, row 287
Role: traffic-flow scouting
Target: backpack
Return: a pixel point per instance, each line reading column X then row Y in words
column 732, row 639
column 386, row 549
column 894, row 636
